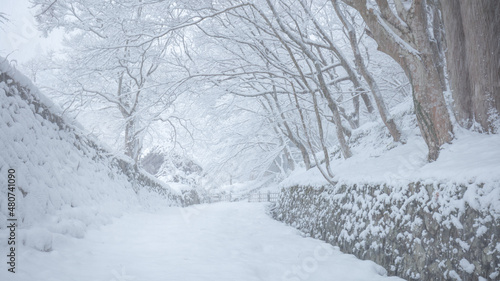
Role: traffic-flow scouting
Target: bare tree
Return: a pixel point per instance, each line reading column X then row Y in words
column 283, row 54
column 274, row 72
column 110, row 64
column 360, row 64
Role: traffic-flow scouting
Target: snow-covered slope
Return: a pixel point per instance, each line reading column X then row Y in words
column 472, row 159
column 65, row 182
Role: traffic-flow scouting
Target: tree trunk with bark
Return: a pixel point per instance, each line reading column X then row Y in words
column 406, row 38
column 473, row 60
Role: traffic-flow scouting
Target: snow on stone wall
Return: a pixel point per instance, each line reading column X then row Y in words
column 66, row 182
column 418, row 231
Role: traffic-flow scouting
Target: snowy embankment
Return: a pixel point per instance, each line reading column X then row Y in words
column 224, row 241
column 471, row 157
column 65, row 181
column 422, row 221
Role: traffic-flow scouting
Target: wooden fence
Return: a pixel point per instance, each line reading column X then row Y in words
column 253, row 197
column 263, row 197
column 220, row 198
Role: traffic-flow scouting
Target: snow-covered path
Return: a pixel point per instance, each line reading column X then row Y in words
column 224, row 241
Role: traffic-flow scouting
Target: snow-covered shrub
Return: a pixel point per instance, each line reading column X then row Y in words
column 180, row 172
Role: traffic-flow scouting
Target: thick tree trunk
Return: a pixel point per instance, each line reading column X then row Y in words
column 473, row 60
column 407, row 40
column 458, row 72
column 428, row 98
column 430, row 107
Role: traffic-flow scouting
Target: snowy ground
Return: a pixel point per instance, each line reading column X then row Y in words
column 224, row 241
column 472, row 157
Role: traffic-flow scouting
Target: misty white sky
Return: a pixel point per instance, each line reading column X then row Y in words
column 19, row 38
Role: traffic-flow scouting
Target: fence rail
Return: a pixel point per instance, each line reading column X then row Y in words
column 253, row 197
column 263, row 197
column 220, row 198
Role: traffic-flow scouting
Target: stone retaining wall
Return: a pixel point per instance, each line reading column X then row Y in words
column 416, row 231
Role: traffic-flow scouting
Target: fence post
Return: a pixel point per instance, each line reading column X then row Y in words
column 230, row 196
column 268, row 196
